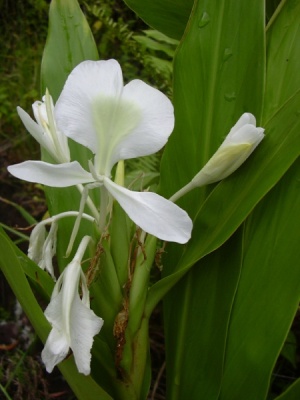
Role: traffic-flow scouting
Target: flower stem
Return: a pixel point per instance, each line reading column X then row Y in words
column 89, row 202
column 187, row 188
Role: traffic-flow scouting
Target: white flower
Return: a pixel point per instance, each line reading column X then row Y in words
column 45, row 131
column 115, row 122
column 241, row 141
column 74, row 324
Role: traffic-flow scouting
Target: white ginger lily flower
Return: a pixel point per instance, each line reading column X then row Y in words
column 45, row 130
column 241, row 141
column 115, row 122
column 74, row 324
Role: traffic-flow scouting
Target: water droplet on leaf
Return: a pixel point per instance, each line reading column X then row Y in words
column 205, row 19
column 230, row 96
column 227, row 54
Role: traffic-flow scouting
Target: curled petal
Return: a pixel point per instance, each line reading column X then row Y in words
column 245, row 119
column 55, row 175
column 153, row 213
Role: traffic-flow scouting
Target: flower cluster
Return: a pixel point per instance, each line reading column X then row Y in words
column 116, row 123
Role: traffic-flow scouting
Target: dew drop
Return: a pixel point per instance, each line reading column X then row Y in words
column 230, row 96
column 205, row 19
column 227, row 54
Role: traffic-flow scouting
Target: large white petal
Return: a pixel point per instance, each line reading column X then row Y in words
column 84, row 325
column 154, row 126
column 74, row 110
column 153, row 213
column 55, row 175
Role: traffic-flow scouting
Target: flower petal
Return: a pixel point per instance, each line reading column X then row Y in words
column 246, row 134
column 84, row 325
column 246, row 118
column 35, row 130
column 55, row 350
column 55, row 175
column 153, row 213
column 113, row 122
column 74, row 110
column 156, row 122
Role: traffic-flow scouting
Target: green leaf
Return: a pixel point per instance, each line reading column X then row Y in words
column 292, row 393
column 200, row 77
column 283, row 57
column 216, row 79
column 197, row 325
column 168, row 16
column 268, row 292
column 69, row 42
column 16, row 279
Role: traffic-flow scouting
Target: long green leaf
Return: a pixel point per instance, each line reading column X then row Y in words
column 69, row 42
column 268, row 292
column 195, row 350
column 168, row 16
column 232, row 200
column 283, row 61
column 292, row 393
column 216, row 79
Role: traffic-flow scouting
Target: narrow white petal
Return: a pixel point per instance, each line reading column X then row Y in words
column 84, row 325
column 55, row 175
column 74, row 108
column 153, row 213
column 35, row 130
column 36, row 243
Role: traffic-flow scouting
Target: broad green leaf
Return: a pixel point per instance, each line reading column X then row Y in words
column 84, row 387
column 283, row 57
column 69, row 42
column 218, row 219
column 168, row 16
column 268, row 293
column 198, row 325
column 212, row 73
column 292, row 393
column 216, row 79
